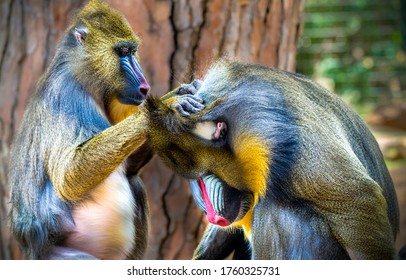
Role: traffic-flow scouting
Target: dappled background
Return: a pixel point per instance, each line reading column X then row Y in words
column 356, row 48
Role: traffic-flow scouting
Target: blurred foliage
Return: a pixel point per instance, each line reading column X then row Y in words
column 354, row 48
column 393, row 164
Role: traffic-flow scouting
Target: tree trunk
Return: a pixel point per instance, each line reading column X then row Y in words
column 179, row 40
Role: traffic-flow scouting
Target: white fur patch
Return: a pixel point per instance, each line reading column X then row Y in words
column 105, row 221
column 205, row 130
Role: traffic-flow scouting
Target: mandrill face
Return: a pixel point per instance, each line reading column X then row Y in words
column 223, row 205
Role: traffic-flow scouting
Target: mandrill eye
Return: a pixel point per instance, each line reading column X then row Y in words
column 122, row 51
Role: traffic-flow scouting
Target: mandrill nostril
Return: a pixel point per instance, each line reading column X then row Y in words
column 143, row 90
column 220, row 221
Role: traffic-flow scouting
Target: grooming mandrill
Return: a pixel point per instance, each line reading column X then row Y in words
column 75, row 193
column 281, row 167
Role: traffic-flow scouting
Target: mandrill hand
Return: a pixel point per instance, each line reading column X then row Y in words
column 186, row 102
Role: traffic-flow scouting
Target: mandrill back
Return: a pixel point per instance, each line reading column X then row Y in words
column 309, row 173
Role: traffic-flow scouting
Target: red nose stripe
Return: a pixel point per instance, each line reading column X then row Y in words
column 211, row 214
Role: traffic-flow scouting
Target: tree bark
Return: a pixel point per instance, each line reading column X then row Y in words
column 179, row 41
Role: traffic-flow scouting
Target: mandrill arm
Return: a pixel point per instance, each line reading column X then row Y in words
column 82, row 166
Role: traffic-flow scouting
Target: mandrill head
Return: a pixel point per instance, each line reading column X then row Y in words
column 228, row 149
column 103, row 52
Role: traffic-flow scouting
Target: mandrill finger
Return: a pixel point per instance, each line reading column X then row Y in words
column 197, row 84
column 187, row 89
column 184, row 90
column 191, row 88
column 195, row 102
column 180, row 109
column 196, row 99
column 191, row 106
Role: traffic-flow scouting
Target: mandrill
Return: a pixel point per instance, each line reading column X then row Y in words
column 282, row 168
column 75, row 190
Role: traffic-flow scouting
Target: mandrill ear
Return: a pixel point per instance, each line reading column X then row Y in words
column 81, row 32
